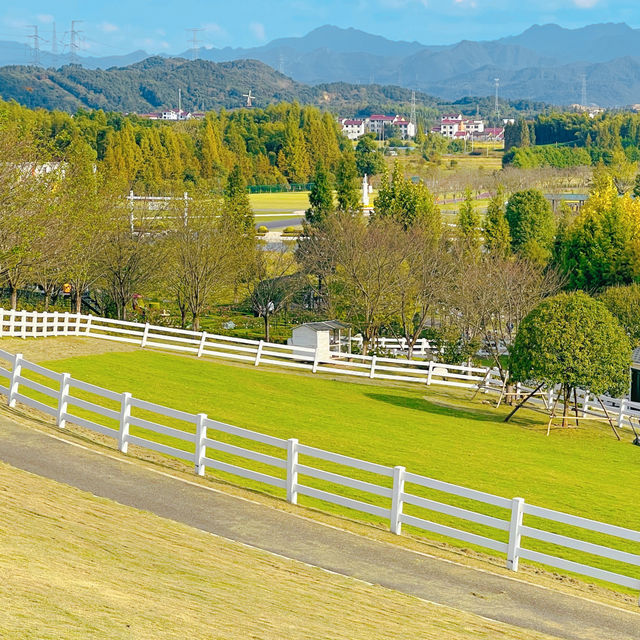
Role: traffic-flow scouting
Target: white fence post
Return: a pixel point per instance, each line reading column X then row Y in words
column 88, row 327
column 65, row 329
column 623, row 406
column 34, row 326
column 1, row 322
column 396, row 500
column 372, row 372
column 515, row 534
column 316, row 359
column 258, row 353
column 430, row 373
column 203, row 341
column 292, row 471
column 201, row 434
column 145, row 335
column 23, row 327
column 78, row 319
column 63, row 400
column 56, row 320
column 585, row 403
column 125, row 414
column 12, row 323
column 13, row 386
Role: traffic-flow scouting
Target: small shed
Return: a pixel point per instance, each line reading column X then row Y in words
column 326, row 337
column 634, row 394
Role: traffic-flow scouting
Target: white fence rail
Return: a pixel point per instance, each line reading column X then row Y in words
column 497, row 523
column 32, row 324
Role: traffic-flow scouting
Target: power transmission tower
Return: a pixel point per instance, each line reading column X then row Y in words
column 496, row 106
column 195, row 49
column 413, row 118
column 74, row 45
column 583, row 97
column 281, row 63
column 35, row 52
column 54, row 40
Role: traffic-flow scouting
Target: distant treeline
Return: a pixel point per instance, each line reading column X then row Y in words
column 280, row 144
column 572, row 139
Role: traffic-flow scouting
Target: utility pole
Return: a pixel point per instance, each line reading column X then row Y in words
column 413, row 118
column 179, row 104
column 194, row 43
column 35, row 53
column 74, row 45
column 583, row 101
column 496, row 107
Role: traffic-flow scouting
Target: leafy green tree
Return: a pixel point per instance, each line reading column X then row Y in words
column 497, row 236
column 600, row 248
column 237, row 206
column 469, row 223
column 369, row 159
column 574, row 341
column 347, row 184
column 320, row 197
column 532, row 225
column 420, row 137
column 407, row 203
column 624, row 304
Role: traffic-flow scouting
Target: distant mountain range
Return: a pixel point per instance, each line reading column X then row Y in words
column 545, row 62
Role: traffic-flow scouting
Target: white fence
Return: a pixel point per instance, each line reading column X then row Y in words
column 32, row 324
column 388, row 493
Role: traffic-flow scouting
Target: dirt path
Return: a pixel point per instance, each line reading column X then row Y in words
column 480, row 592
column 39, row 350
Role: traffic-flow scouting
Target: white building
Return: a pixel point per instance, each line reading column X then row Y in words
column 325, row 337
column 353, row 129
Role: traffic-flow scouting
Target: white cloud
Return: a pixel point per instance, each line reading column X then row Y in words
column 585, row 4
column 45, row 18
column 108, row 27
column 257, row 28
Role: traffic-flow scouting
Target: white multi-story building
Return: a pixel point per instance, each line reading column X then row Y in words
column 353, row 129
column 376, row 123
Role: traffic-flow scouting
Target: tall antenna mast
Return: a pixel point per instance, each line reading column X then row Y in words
column 54, row 40
column 584, row 90
column 195, row 49
column 179, row 104
column 496, row 106
column 36, row 44
column 281, row 63
column 412, row 119
column 74, row 41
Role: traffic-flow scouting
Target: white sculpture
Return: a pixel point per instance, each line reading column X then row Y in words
column 365, row 191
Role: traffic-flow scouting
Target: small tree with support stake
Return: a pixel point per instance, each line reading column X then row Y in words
column 574, row 341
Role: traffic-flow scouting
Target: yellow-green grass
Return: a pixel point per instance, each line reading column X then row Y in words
column 279, row 202
column 431, row 431
column 78, row 566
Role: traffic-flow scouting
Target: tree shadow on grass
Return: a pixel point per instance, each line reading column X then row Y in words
column 436, row 408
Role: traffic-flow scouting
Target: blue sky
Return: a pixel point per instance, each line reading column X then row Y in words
column 160, row 26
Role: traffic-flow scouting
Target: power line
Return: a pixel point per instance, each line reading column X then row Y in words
column 74, row 46
column 194, row 43
column 35, row 52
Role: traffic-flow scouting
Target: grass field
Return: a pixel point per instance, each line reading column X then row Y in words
column 434, row 432
column 78, row 566
column 279, row 202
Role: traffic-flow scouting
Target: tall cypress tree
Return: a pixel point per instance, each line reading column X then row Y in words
column 497, row 237
column 237, row 207
column 347, row 192
column 320, row 197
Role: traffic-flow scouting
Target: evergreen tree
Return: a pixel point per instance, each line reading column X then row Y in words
column 369, row 160
column 532, row 225
column 497, row 238
column 420, row 138
column 469, row 223
column 237, row 207
column 320, row 197
column 347, row 191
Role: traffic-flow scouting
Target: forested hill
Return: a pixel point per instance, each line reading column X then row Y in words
column 152, row 85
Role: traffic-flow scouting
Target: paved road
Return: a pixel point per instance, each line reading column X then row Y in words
column 492, row 596
column 279, row 223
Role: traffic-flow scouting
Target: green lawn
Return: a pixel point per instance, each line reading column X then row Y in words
column 279, row 202
column 431, row 431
